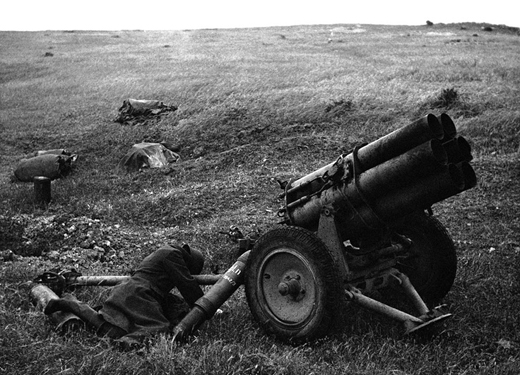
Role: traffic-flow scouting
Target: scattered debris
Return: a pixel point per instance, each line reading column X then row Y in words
column 67, row 241
column 148, row 155
column 7, row 256
column 48, row 163
column 134, row 111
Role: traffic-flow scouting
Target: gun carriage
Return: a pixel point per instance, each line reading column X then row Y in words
column 361, row 223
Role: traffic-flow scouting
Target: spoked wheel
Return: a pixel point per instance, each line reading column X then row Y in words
column 292, row 285
column 432, row 264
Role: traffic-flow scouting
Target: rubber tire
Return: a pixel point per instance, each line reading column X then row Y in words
column 327, row 287
column 432, row 266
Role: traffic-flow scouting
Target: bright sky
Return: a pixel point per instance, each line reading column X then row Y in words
column 30, row 15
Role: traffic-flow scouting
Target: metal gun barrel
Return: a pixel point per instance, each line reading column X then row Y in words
column 400, row 141
column 408, row 170
column 458, row 149
column 114, row 280
column 385, row 148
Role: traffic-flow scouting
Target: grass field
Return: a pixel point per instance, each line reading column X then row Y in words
column 254, row 105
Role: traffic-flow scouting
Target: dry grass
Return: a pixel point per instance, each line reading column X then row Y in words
column 254, row 105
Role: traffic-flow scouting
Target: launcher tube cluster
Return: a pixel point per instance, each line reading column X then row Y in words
column 407, row 170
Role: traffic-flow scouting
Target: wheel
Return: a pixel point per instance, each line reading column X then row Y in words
column 432, row 264
column 292, row 285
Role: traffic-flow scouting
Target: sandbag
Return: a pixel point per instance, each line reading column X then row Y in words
column 147, row 155
column 52, row 166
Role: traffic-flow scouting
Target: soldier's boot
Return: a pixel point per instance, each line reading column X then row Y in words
column 78, row 308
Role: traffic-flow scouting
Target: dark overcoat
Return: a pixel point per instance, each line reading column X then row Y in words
column 144, row 305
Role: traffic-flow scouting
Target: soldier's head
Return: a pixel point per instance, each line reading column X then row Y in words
column 194, row 260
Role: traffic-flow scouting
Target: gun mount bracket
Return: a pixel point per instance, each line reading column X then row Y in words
column 57, row 280
column 431, row 318
column 412, row 323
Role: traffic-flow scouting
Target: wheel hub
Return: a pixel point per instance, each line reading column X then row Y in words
column 291, row 287
column 288, row 287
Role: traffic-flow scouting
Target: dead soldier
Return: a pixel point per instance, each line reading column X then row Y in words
column 143, row 305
